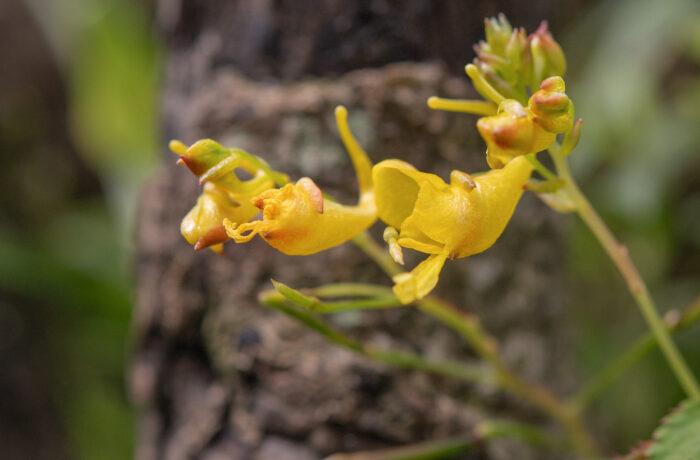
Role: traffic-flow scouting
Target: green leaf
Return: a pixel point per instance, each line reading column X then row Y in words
column 678, row 437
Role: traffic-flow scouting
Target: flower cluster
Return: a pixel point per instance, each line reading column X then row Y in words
column 510, row 61
column 422, row 212
column 516, row 130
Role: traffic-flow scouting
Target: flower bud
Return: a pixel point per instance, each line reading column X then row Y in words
column 497, row 79
column 516, row 48
column 510, row 133
column 498, row 31
column 551, row 107
column 571, row 138
column 210, row 161
column 201, row 156
column 547, row 56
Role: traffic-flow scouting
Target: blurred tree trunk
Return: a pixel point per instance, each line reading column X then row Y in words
column 218, row 376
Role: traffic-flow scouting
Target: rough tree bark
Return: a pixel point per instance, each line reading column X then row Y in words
column 219, row 377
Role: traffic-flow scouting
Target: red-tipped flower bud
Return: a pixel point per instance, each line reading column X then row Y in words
column 547, row 56
column 551, row 107
column 510, row 133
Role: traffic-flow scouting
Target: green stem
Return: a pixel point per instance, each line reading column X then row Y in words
column 620, row 365
column 453, row 369
column 431, row 450
column 620, row 257
column 349, row 290
column 314, row 304
column 469, row 328
column 539, row 167
column 448, row 448
column 492, row 429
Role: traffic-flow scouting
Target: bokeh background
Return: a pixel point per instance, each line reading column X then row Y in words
column 79, row 135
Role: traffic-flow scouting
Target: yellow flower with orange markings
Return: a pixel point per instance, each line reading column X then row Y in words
column 225, row 195
column 298, row 220
column 452, row 220
column 203, row 226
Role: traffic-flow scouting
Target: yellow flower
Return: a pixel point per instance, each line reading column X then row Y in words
column 203, row 226
column 298, row 220
column 512, row 132
column 452, row 220
column 225, row 196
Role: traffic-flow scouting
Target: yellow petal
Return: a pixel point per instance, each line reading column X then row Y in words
column 462, row 218
column 420, row 281
column 491, row 205
column 293, row 224
column 442, row 214
column 452, row 220
column 396, row 185
column 200, row 225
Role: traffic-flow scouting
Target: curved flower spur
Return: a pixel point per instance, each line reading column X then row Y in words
column 298, row 220
column 225, row 195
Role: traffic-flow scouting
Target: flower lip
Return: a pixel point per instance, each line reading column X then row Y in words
column 454, row 220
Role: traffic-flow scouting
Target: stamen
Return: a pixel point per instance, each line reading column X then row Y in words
column 244, row 232
column 391, row 237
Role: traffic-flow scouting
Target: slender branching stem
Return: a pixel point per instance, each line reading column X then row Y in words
column 469, row 328
column 448, row 448
column 453, row 369
column 349, row 290
column 621, row 258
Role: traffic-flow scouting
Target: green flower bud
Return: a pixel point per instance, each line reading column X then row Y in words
column 498, row 31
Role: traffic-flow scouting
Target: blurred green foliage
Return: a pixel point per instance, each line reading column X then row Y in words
column 77, row 260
